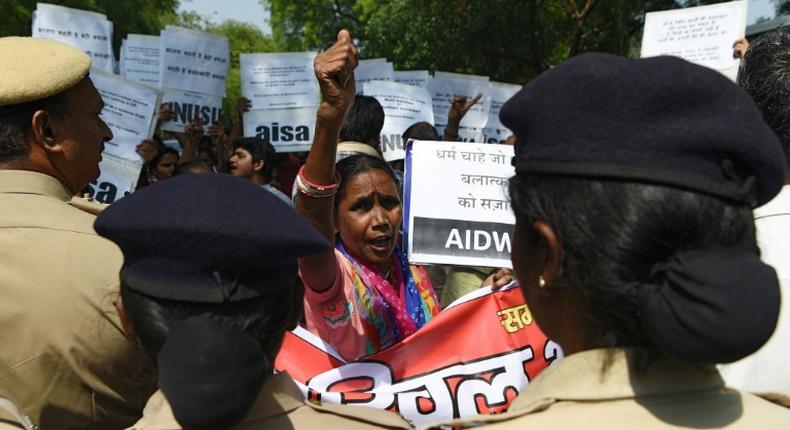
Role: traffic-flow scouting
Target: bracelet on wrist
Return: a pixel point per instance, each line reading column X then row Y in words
column 315, row 190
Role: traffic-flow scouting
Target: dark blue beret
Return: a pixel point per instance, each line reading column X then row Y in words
column 658, row 120
column 208, row 238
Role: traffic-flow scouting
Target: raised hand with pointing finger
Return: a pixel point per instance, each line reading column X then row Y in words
column 459, row 106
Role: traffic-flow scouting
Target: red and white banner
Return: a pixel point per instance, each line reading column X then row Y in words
column 474, row 358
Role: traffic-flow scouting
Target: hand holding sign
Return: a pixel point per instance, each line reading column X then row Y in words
column 242, row 105
column 334, row 69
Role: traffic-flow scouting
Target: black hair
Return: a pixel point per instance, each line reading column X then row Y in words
column 264, row 319
column 206, row 147
column 260, row 150
column 612, row 233
column 190, row 166
column 364, row 120
column 765, row 74
column 16, row 121
column 356, row 164
column 421, row 131
column 164, row 150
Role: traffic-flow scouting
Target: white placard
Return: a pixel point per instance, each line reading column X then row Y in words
column 457, row 207
column 141, row 58
column 88, row 31
column 404, row 105
column 444, row 86
column 288, row 130
column 375, row 69
column 500, row 93
column 703, row 35
column 194, row 61
column 187, row 105
column 130, row 110
column 118, row 178
column 418, row 78
column 282, row 80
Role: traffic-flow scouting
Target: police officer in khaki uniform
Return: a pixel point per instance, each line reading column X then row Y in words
column 64, row 359
column 210, row 298
column 635, row 244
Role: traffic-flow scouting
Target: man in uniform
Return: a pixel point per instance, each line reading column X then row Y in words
column 64, row 360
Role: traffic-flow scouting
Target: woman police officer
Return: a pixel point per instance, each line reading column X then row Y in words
column 635, row 244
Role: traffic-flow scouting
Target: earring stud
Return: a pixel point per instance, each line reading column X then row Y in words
column 541, row 282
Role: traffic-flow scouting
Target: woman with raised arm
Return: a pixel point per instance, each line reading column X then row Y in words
column 363, row 296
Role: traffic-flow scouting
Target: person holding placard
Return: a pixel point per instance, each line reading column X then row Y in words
column 64, row 360
column 363, row 296
column 635, row 244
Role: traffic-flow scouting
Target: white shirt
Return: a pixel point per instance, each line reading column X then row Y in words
column 768, row 369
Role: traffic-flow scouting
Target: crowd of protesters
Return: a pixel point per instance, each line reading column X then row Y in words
column 651, row 203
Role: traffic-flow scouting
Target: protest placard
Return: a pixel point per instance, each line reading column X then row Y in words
column 141, row 59
column 130, row 110
column 186, row 106
column 281, row 80
column 418, row 78
column 90, row 32
column 431, row 375
column 457, row 210
column 404, row 105
column 374, row 69
column 118, row 178
column 444, row 86
column 194, row 61
column 703, row 35
column 495, row 132
column 288, row 130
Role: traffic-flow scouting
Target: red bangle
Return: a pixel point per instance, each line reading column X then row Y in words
column 329, row 187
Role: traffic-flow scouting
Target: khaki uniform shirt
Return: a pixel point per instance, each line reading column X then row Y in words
column 280, row 405
column 581, row 392
column 64, row 360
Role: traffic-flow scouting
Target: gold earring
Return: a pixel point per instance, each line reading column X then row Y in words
column 541, row 282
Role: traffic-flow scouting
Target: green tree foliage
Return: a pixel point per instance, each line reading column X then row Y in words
column 127, row 16
column 509, row 41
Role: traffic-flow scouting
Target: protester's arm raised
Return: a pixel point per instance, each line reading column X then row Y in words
column 334, row 70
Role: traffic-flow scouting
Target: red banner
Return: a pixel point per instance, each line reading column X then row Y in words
column 474, row 358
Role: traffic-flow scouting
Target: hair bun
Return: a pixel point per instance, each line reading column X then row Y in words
column 210, row 373
column 710, row 305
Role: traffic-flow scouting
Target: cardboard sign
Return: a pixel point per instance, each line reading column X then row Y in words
column 129, row 110
column 187, row 105
column 288, row 130
column 457, row 208
column 436, row 374
column 118, row 178
column 276, row 81
column 141, row 57
column 194, row 61
column 444, row 86
column 495, row 132
column 417, row 78
column 702, row 35
column 376, row 69
column 404, row 105
column 90, row 32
